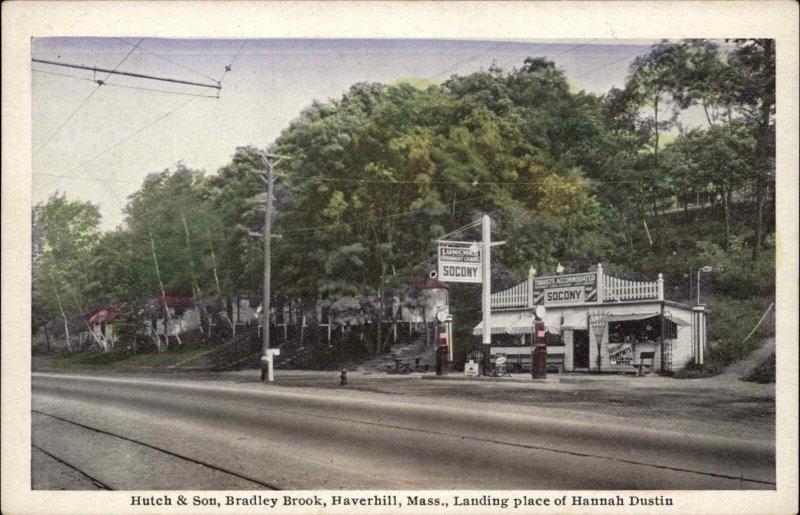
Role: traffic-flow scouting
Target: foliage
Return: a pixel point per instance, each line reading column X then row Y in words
column 763, row 373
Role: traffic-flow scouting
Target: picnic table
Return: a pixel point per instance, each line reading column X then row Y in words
column 402, row 366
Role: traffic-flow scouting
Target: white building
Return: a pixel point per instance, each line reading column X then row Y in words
column 595, row 321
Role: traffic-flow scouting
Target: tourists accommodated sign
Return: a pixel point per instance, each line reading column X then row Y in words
column 565, row 289
column 460, row 263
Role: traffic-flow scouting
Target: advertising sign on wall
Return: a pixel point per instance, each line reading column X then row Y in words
column 460, row 263
column 620, row 354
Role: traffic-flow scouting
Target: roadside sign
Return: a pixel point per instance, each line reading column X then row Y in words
column 460, row 263
column 471, row 368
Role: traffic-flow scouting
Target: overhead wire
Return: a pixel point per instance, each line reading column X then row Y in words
column 574, row 48
column 607, row 64
column 230, row 65
column 63, row 75
column 85, row 101
column 170, row 60
column 138, row 131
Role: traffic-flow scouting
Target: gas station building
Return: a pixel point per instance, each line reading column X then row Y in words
column 596, row 322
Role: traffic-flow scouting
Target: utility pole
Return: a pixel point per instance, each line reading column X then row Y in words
column 267, row 355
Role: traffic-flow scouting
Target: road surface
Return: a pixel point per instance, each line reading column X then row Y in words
column 95, row 432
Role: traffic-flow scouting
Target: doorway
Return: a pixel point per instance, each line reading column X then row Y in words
column 580, row 348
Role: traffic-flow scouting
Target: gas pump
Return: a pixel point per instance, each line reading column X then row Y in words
column 443, row 350
column 539, row 350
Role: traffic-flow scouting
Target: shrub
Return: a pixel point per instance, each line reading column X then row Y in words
column 763, row 373
column 731, row 320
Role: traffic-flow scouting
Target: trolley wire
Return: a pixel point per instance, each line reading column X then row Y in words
column 86, row 100
column 170, row 60
column 230, row 65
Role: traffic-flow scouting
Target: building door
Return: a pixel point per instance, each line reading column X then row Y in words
column 580, row 348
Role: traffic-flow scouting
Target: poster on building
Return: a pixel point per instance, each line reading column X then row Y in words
column 621, row 354
column 460, row 262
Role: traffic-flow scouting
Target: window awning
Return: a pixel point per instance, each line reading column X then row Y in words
column 623, row 318
column 679, row 321
column 642, row 316
column 508, row 323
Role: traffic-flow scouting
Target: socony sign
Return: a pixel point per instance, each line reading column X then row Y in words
column 563, row 295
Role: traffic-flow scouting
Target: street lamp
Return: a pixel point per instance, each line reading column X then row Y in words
column 706, row 269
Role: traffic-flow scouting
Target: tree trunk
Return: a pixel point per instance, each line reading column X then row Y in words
column 759, row 221
column 61, row 309
column 726, row 198
column 379, row 339
column 47, row 338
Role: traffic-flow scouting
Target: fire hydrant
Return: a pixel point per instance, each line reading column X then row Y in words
column 344, row 378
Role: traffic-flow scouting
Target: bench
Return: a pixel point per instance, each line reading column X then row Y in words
column 555, row 363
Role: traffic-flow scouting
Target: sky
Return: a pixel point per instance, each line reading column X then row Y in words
column 98, row 142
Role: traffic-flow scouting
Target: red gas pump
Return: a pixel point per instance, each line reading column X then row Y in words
column 442, row 354
column 539, row 352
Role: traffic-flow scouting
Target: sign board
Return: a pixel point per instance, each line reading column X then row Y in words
column 460, row 263
column 565, row 295
column 620, row 354
column 565, row 289
column 471, row 368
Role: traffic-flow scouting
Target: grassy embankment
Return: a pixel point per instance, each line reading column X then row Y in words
column 737, row 293
column 120, row 359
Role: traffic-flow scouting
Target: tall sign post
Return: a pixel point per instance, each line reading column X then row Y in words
column 486, row 228
column 465, row 262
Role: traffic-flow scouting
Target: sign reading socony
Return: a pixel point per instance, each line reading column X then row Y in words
column 565, row 295
column 460, row 263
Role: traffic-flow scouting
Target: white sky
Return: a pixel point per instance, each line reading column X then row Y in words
column 119, row 135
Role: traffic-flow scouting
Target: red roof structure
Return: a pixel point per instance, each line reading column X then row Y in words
column 104, row 315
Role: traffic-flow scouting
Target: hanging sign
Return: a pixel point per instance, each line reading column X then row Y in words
column 460, row 263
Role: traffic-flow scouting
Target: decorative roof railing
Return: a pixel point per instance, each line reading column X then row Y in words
column 601, row 288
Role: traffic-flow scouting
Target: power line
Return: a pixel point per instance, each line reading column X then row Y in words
column 374, row 219
column 133, row 134
column 64, row 75
column 170, row 60
column 230, row 65
column 464, row 61
column 573, row 48
column 607, row 64
column 84, row 178
column 85, row 101
column 162, row 91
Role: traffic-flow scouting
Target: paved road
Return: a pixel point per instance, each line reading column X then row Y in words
column 137, row 433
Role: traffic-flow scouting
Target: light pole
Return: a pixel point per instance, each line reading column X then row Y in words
column 706, row 269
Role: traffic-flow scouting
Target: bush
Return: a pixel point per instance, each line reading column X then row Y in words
column 694, row 371
column 764, row 373
column 731, row 320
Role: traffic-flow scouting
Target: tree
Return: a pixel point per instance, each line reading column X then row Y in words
column 753, row 62
column 66, row 233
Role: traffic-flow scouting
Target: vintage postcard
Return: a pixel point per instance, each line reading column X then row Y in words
column 400, row 257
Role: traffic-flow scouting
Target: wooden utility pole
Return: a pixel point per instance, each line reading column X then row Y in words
column 267, row 355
